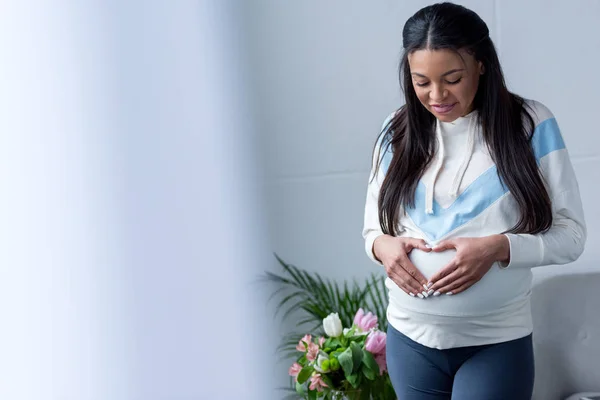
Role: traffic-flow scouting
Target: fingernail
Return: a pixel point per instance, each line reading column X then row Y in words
column 428, row 246
column 425, row 294
column 436, row 293
column 449, row 294
column 430, row 292
column 425, row 286
column 412, row 294
column 420, row 295
column 430, row 284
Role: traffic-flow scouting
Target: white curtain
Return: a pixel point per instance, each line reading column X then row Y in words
column 130, row 222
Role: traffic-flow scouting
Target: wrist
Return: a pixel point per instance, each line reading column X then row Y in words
column 502, row 248
column 376, row 244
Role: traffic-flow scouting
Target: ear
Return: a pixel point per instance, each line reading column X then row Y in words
column 481, row 68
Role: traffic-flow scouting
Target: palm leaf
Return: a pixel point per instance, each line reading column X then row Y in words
column 310, row 298
column 375, row 299
column 315, row 297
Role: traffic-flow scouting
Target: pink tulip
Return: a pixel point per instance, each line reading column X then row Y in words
column 303, row 343
column 295, row 370
column 381, row 360
column 313, row 352
column 375, row 342
column 316, row 382
column 365, row 322
column 321, row 341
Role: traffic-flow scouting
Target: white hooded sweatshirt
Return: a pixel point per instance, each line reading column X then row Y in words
column 461, row 195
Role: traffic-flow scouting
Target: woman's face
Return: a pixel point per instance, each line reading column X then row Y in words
column 445, row 82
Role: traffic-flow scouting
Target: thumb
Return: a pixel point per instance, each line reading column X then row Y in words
column 420, row 244
column 444, row 245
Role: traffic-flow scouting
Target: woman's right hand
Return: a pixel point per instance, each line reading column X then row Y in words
column 393, row 253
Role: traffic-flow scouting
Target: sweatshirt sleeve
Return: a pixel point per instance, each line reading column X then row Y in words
column 565, row 240
column 372, row 228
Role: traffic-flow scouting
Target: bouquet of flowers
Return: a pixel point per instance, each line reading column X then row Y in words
column 349, row 363
column 334, row 362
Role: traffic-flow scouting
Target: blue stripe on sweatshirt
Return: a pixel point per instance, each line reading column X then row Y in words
column 480, row 194
column 547, row 138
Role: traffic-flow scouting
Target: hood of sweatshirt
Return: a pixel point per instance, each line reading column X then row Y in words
column 467, row 123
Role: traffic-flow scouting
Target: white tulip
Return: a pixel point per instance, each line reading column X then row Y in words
column 332, row 325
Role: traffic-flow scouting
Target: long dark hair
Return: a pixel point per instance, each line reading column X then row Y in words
column 506, row 123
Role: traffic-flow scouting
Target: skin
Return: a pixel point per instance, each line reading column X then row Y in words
column 474, row 258
column 443, row 77
column 393, row 254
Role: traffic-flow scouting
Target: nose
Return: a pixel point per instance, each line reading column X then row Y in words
column 438, row 93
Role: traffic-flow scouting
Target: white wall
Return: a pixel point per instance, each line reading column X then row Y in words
column 131, row 230
column 325, row 77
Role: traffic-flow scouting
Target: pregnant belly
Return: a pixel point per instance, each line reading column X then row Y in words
column 497, row 289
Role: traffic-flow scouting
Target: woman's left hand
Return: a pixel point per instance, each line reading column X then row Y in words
column 474, row 258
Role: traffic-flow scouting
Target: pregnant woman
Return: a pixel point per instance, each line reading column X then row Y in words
column 471, row 188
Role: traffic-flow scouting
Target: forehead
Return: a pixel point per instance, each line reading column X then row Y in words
column 437, row 62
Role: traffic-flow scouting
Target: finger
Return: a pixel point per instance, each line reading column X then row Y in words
column 444, row 245
column 442, row 273
column 452, row 288
column 411, row 270
column 416, row 280
column 451, row 277
column 404, row 282
column 409, row 280
column 463, row 287
column 403, row 279
column 420, row 244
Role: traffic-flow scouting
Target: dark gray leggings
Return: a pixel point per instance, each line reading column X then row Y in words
column 503, row 371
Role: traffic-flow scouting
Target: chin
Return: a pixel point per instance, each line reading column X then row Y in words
column 445, row 118
column 455, row 114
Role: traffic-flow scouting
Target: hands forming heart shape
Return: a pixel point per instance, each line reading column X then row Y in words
column 473, row 259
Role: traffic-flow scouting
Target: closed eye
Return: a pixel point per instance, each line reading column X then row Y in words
column 448, row 82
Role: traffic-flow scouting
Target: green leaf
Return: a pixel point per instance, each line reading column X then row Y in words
column 354, row 380
column 299, row 388
column 337, row 352
column 357, row 338
column 365, row 393
column 369, row 361
column 368, row 373
column 305, row 374
column 312, row 395
column 312, row 294
column 357, row 356
column 353, row 394
column 292, row 296
column 350, row 333
column 327, row 380
column 308, row 297
column 345, row 360
column 376, row 300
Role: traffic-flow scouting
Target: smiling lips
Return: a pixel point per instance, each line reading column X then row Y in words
column 443, row 108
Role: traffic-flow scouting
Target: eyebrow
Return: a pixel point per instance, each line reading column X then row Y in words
column 444, row 74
